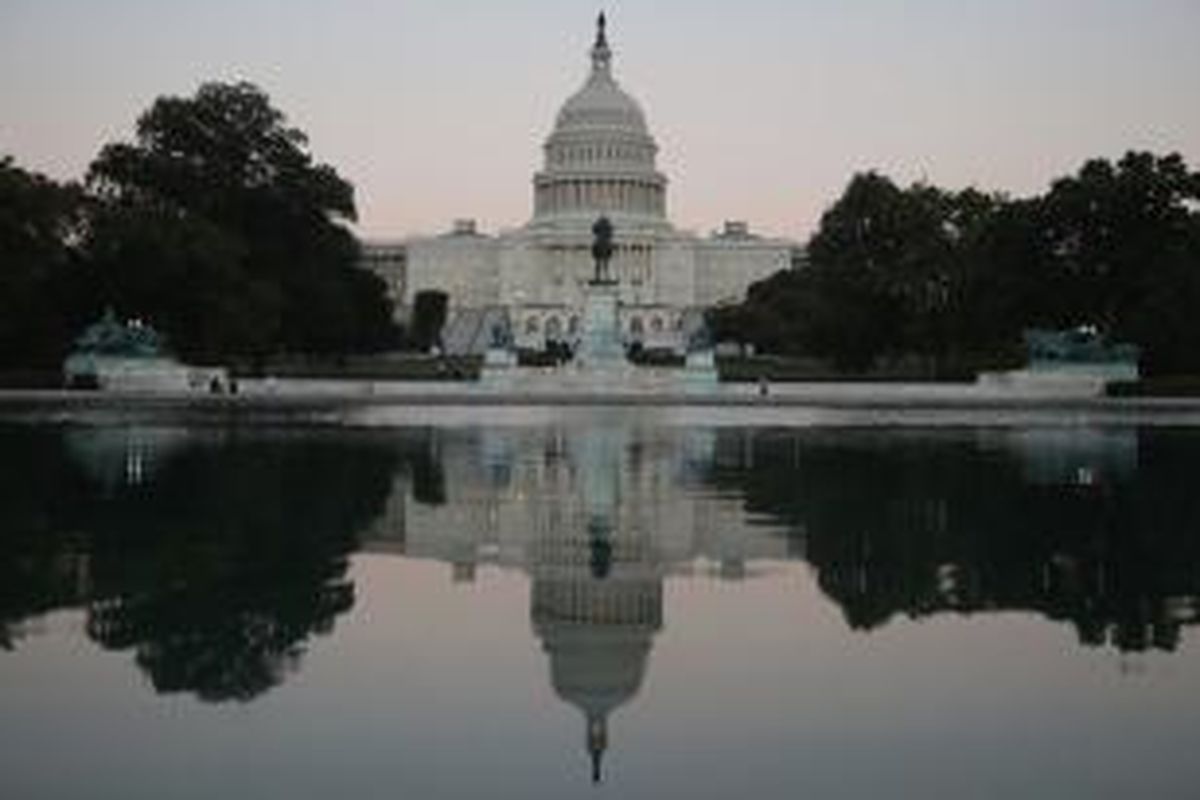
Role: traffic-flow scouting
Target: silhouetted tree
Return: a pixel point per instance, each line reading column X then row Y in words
column 42, row 297
column 1123, row 241
column 922, row 271
column 217, row 225
column 889, row 273
column 429, row 316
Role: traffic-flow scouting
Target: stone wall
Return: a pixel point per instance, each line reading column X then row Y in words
column 465, row 266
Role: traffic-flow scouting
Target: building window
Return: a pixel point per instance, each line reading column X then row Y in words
column 531, row 325
column 656, row 324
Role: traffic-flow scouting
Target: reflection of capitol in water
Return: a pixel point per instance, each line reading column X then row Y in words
column 597, row 592
column 499, row 496
column 597, row 518
column 891, row 524
column 1088, row 528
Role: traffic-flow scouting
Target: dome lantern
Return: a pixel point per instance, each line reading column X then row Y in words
column 601, row 55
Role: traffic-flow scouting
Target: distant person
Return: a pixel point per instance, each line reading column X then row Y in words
column 764, row 388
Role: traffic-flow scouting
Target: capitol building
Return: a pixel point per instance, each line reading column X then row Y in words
column 600, row 160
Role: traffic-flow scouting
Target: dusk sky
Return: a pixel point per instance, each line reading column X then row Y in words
column 762, row 108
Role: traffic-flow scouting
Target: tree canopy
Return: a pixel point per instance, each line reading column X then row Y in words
column 429, row 315
column 39, row 307
column 953, row 275
column 217, row 225
column 1124, row 240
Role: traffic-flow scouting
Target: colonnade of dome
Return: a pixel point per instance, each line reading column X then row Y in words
column 560, row 194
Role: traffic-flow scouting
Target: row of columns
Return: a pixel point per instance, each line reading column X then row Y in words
column 585, row 154
column 573, row 195
column 636, row 603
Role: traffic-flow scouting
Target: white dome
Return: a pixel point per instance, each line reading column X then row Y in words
column 601, row 104
column 600, row 158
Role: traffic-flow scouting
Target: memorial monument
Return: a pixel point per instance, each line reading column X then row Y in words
column 601, row 348
column 131, row 356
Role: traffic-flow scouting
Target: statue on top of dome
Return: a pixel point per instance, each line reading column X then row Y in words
column 601, row 55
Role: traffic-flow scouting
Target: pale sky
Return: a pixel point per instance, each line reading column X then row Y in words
column 762, row 109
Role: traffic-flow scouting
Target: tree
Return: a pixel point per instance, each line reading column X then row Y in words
column 1010, row 284
column 889, row 274
column 865, row 256
column 40, row 299
column 217, row 225
column 1123, row 244
column 429, row 315
column 923, row 271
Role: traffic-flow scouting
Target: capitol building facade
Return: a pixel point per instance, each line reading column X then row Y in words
column 600, row 160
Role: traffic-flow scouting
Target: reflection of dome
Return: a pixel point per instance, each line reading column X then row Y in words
column 595, row 669
column 598, row 635
column 600, row 157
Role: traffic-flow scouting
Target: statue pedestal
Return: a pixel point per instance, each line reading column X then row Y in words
column 601, row 343
column 700, row 373
column 499, row 364
column 500, row 357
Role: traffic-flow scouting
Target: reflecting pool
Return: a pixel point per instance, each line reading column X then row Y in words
column 618, row 605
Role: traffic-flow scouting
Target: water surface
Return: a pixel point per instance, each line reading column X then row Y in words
column 666, row 609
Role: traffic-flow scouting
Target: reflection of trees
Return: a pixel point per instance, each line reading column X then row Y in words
column 922, row 525
column 37, row 570
column 216, row 568
column 423, row 463
column 215, row 555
